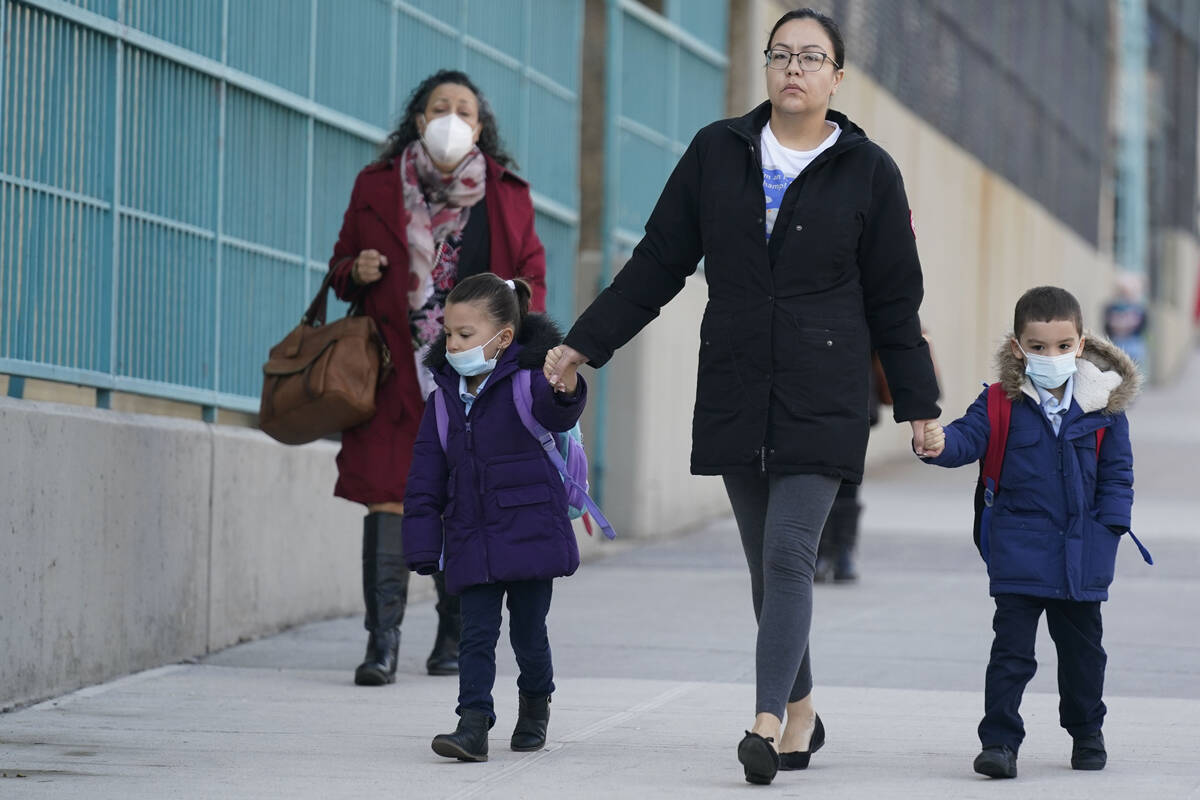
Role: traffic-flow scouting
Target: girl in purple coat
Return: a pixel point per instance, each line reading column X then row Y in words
column 490, row 504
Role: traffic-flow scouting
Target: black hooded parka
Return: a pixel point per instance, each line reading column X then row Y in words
column 788, row 331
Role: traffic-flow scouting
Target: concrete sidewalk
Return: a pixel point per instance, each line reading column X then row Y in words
column 654, row 656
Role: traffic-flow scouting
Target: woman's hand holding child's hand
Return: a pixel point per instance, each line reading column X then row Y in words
column 562, row 366
column 935, row 439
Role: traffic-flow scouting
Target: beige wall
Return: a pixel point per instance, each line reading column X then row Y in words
column 1172, row 325
column 649, row 490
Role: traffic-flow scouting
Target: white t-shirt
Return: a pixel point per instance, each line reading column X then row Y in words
column 781, row 165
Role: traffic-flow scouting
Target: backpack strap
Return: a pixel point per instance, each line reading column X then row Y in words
column 999, row 416
column 443, row 417
column 999, row 411
column 523, row 400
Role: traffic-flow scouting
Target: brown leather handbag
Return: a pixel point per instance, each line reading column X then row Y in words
column 321, row 379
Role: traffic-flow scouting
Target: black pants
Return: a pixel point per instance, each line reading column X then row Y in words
column 528, row 605
column 1076, row 629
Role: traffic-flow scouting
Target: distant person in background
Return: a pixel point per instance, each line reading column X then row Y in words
column 810, row 260
column 839, row 538
column 1125, row 318
column 437, row 206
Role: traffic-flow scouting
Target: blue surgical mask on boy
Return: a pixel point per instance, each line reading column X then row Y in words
column 471, row 362
column 1049, row 372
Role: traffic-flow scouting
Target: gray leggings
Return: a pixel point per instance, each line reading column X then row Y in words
column 780, row 519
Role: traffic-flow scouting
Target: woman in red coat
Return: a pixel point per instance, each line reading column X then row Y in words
column 439, row 205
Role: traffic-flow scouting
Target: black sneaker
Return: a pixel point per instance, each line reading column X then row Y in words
column 1089, row 753
column 997, row 761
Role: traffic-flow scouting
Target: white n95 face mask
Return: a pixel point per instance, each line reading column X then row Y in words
column 448, row 139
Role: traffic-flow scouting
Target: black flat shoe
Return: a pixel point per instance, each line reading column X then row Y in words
column 798, row 759
column 758, row 758
column 1088, row 752
column 997, row 761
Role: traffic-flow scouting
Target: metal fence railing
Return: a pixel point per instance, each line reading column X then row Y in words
column 172, row 176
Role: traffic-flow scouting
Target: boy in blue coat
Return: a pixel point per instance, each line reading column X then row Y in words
column 1061, row 508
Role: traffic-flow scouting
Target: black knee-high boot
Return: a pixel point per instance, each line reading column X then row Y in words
column 826, row 553
column 444, row 658
column 845, row 516
column 385, row 590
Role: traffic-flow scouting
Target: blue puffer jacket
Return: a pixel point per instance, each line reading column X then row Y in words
column 1049, row 533
column 492, row 498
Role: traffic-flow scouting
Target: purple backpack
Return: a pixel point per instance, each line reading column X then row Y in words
column 565, row 451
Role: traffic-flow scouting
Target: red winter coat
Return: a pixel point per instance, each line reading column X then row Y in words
column 375, row 457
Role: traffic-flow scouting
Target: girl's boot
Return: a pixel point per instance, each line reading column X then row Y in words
column 469, row 742
column 533, row 716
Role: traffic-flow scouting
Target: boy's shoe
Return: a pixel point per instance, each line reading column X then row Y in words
column 469, row 742
column 532, row 718
column 997, row 761
column 1089, row 753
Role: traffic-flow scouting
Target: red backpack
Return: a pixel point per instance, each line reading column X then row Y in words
column 999, row 409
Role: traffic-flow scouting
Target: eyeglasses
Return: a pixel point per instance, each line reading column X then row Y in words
column 809, row 60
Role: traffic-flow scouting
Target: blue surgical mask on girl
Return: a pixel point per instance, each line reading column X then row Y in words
column 1049, row 372
column 470, row 363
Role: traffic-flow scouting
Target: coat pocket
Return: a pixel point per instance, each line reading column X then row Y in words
column 719, row 389
column 1100, row 555
column 1026, row 549
column 523, row 496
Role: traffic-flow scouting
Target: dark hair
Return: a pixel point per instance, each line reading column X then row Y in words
column 831, row 28
column 503, row 305
column 1046, row 304
column 406, row 133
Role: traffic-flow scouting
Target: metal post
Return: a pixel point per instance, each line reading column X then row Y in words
column 308, row 159
column 219, row 227
column 118, row 134
column 1133, row 210
column 612, row 110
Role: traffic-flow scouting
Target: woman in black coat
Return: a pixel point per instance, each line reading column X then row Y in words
column 811, row 262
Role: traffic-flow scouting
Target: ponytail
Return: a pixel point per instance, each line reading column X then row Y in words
column 506, row 302
column 524, row 294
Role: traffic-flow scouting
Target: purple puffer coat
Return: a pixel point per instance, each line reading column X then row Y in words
column 492, row 499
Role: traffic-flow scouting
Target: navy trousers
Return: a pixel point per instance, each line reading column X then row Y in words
column 1076, row 629
column 528, row 605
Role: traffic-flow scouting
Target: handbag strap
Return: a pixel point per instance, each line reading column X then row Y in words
column 315, row 315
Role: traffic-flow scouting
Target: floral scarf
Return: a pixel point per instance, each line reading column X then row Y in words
column 437, row 207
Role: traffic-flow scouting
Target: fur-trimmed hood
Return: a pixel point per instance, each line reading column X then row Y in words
column 1108, row 380
column 538, row 335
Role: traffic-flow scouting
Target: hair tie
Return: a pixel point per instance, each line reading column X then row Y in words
column 511, row 285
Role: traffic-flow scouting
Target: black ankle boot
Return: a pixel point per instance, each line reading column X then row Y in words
column 996, row 761
column 444, row 658
column 469, row 742
column 1089, row 753
column 533, row 716
column 385, row 592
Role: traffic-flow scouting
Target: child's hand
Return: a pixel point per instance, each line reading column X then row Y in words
column 565, row 369
column 935, row 439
